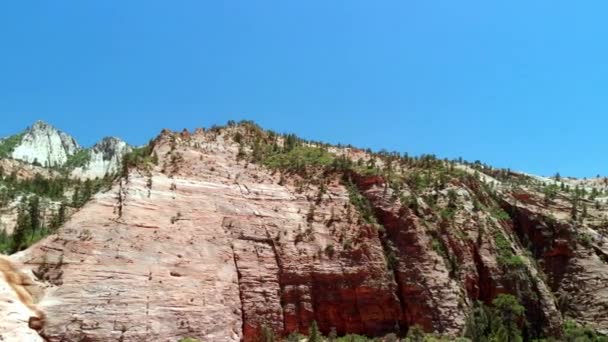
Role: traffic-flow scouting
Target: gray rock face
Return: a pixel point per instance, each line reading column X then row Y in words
column 104, row 158
column 47, row 146
column 44, row 144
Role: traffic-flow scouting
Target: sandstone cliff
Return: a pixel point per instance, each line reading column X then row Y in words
column 204, row 238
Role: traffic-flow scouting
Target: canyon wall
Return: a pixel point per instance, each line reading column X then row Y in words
column 203, row 243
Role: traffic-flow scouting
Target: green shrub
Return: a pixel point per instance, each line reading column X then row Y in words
column 79, row 159
column 506, row 258
column 7, row 146
column 497, row 323
column 360, row 203
column 501, row 215
column 576, row 333
column 139, row 157
column 299, row 158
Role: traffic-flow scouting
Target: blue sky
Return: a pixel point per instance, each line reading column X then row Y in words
column 520, row 84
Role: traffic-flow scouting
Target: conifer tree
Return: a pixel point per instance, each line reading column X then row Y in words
column 314, row 335
column 510, row 312
column 34, row 214
column 21, row 229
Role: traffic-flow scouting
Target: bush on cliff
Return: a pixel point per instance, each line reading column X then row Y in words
column 498, row 323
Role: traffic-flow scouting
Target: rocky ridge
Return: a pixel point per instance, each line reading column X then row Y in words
column 104, row 158
column 46, row 146
column 215, row 235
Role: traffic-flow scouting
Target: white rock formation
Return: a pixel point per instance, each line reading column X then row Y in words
column 105, row 158
column 46, row 145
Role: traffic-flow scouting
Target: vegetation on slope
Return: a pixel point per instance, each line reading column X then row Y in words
column 42, row 205
column 7, row 145
column 78, row 159
column 428, row 181
column 139, row 157
column 503, row 321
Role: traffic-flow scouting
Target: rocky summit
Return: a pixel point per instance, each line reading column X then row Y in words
column 43, row 144
column 236, row 233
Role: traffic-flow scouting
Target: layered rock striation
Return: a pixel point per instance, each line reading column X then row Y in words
column 199, row 241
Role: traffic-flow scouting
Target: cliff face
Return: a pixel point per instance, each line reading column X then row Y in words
column 44, row 144
column 446, row 261
column 103, row 159
column 203, row 243
column 212, row 248
column 573, row 256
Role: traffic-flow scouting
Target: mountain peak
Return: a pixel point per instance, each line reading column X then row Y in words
column 109, row 141
column 44, row 144
column 41, row 125
column 105, row 157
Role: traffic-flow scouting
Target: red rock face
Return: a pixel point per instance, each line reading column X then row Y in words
column 285, row 285
column 576, row 273
column 442, row 267
column 428, row 295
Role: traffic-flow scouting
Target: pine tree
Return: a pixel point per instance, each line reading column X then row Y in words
column 76, row 197
column 584, row 214
column 510, row 311
column 34, row 213
column 415, row 334
column 5, row 241
column 557, row 176
column 59, row 217
column 87, row 192
column 21, row 229
column 479, row 323
column 314, row 335
column 573, row 212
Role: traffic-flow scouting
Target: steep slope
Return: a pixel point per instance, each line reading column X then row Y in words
column 34, row 199
column 211, row 248
column 572, row 253
column 45, row 145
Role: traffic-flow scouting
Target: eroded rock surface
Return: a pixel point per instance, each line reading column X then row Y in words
column 45, row 145
column 215, row 250
column 104, row 158
column 208, row 245
column 20, row 316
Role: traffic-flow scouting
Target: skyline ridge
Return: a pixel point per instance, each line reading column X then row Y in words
column 43, row 123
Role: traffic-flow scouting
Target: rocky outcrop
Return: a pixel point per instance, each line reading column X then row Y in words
column 22, row 170
column 105, row 158
column 572, row 255
column 429, row 295
column 20, row 317
column 444, row 263
column 45, row 145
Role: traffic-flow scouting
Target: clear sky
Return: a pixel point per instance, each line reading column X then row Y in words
column 520, row 83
